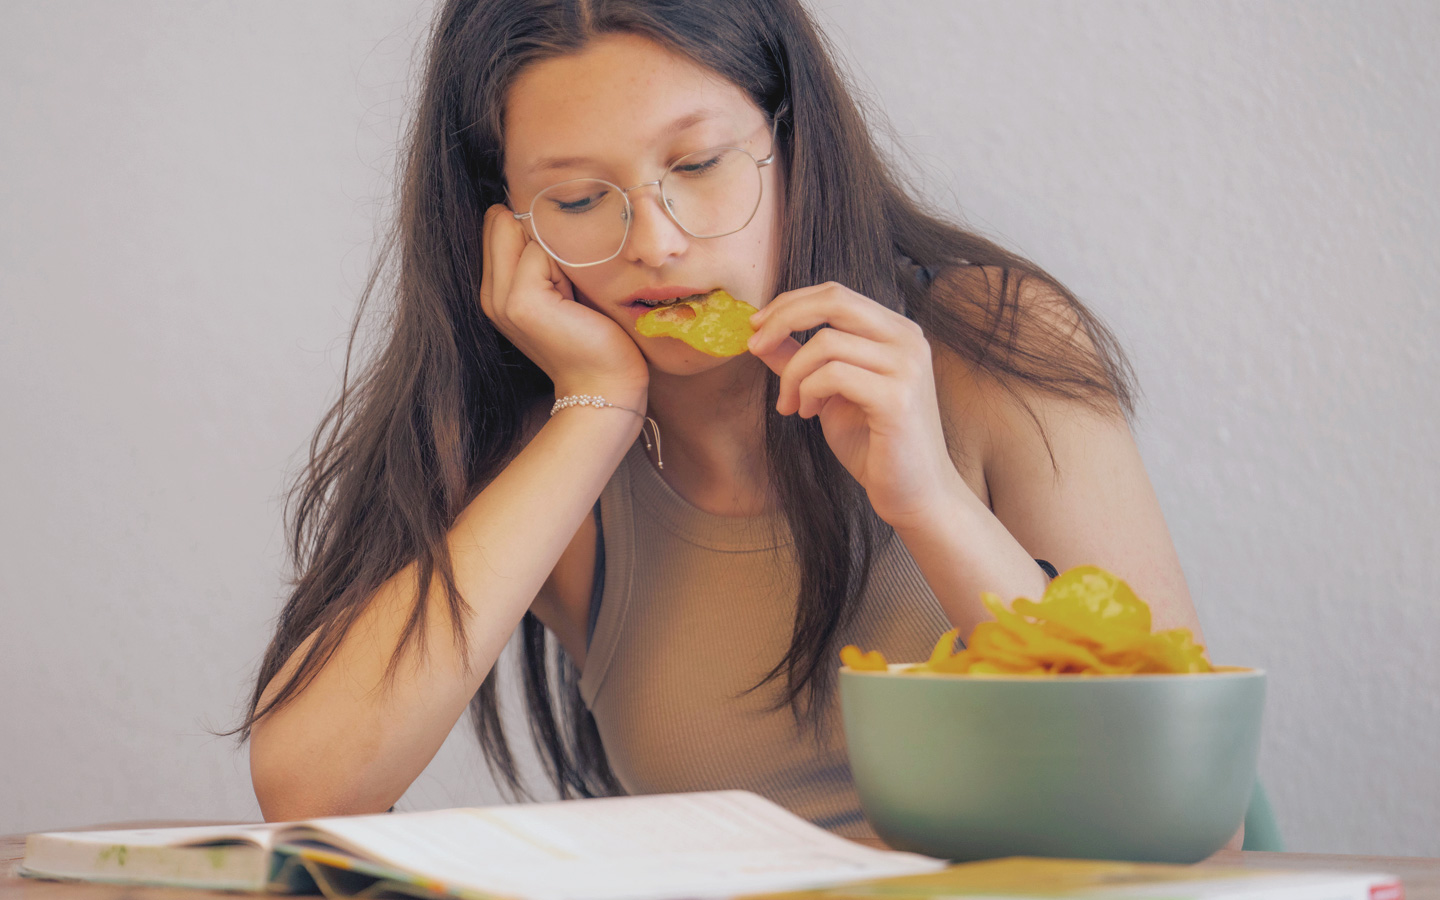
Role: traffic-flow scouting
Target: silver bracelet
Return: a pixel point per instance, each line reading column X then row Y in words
column 598, row 402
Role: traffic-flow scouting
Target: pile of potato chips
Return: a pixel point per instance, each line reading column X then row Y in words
column 1088, row 622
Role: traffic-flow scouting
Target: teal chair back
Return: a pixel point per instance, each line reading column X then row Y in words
column 1262, row 832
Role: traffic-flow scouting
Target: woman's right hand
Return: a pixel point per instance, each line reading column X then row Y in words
column 528, row 298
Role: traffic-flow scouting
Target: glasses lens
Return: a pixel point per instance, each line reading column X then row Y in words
column 581, row 221
column 713, row 192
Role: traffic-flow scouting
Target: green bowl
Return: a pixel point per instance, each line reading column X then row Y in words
column 1155, row 768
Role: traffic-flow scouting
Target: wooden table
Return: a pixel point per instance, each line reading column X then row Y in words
column 1421, row 876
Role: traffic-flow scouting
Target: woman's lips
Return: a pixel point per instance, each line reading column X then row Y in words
column 650, row 298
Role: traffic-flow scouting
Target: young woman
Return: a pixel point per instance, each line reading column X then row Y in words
column 685, row 541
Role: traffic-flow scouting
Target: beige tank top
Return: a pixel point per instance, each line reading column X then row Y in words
column 694, row 609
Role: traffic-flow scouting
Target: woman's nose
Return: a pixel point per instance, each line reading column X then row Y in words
column 654, row 236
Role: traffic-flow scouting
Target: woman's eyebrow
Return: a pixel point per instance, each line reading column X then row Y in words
column 689, row 120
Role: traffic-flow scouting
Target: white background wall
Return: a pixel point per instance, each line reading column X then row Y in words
column 1246, row 192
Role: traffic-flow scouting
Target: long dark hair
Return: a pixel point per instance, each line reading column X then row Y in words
column 441, row 409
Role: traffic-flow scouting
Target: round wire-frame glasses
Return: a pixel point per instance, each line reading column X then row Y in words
column 719, row 167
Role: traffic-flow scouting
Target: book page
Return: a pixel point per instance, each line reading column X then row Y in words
column 195, row 835
column 229, row 857
column 700, row 845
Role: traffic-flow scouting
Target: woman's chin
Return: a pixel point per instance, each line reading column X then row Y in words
column 668, row 356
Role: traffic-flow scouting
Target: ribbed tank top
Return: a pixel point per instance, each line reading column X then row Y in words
column 694, row 609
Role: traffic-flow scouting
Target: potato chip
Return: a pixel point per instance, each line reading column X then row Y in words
column 944, row 647
column 1055, row 652
column 864, row 662
column 716, row 323
column 1088, row 599
column 1089, row 622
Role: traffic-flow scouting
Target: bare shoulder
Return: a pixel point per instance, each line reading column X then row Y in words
column 1011, row 324
column 1033, row 364
column 1060, row 466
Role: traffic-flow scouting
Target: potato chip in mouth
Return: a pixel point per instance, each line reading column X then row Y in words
column 715, row 323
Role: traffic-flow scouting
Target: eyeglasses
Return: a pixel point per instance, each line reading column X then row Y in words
column 709, row 193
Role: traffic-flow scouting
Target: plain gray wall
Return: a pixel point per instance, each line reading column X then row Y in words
column 1245, row 192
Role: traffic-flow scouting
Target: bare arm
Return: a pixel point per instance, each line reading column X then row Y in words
column 1083, row 499
column 883, row 395
column 1093, row 505
column 352, row 742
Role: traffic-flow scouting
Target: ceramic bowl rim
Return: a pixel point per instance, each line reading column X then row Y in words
column 1225, row 672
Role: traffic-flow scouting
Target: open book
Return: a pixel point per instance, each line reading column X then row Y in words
column 702, row 845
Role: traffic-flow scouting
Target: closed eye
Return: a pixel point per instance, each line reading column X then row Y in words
column 580, row 204
column 700, row 166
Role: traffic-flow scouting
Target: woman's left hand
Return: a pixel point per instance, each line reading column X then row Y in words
column 869, row 378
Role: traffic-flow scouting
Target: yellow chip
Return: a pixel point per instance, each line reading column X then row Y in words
column 873, row 661
column 716, row 323
column 1043, row 647
column 1089, row 599
column 944, row 647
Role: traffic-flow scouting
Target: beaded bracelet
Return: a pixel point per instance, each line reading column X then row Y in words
column 594, row 400
column 598, row 402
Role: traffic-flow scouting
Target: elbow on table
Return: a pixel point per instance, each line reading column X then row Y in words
column 288, row 791
column 280, row 793
column 293, row 799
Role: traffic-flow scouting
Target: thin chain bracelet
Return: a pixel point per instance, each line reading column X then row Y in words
column 598, row 402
